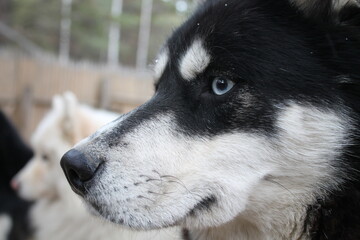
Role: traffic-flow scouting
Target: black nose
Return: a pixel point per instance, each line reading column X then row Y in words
column 78, row 169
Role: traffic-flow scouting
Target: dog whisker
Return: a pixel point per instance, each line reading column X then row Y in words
column 156, row 172
column 177, row 180
column 140, row 196
column 163, row 194
column 279, row 184
column 153, row 179
column 145, row 176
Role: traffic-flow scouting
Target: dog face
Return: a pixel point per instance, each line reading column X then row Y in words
column 246, row 122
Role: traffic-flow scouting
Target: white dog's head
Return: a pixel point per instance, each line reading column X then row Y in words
column 66, row 123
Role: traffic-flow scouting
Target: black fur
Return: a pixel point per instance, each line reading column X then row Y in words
column 205, row 204
column 14, row 154
column 185, row 234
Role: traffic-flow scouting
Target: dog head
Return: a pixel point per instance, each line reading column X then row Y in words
column 248, row 118
column 65, row 124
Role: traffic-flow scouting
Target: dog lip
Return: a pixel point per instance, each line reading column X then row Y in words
column 204, row 204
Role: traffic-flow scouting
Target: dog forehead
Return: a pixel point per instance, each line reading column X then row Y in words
column 190, row 49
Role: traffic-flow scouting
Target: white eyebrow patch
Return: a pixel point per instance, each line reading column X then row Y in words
column 195, row 60
column 160, row 63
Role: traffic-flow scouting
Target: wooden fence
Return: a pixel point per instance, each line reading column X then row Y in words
column 27, row 86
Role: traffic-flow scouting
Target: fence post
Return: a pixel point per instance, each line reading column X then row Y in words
column 104, row 95
column 24, row 115
column 144, row 34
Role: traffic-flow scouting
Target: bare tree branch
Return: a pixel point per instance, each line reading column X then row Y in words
column 19, row 39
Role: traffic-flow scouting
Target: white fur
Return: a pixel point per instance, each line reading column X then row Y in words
column 160, row 63
column 5, row 226
column 195, row 60
column 58, row 213
column 160, row 175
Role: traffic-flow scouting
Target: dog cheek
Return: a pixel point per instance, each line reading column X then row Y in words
column 38, row 176
column 31, row 179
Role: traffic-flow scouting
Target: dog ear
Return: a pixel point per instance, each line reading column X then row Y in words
column 78, row 122
column 71, row 123
column 57, row 103
column 338, row 12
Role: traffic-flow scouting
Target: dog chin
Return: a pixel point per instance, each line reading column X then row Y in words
column 29, row 194
column 26, row 196
column 193, row 216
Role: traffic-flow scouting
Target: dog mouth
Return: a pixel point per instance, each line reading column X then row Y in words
column 204, row 205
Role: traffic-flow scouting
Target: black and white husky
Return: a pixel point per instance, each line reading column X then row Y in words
column 253, row 132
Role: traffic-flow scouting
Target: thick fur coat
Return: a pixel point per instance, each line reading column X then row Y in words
column 253, row 132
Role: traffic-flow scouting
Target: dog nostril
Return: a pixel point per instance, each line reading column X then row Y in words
column 72, row 174
column 75, row 178
column 78, row 169
column 82, row 172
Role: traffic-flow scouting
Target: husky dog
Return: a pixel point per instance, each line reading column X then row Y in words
column 58, row 213
column 253, row 131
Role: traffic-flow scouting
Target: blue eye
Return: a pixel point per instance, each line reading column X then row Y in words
column 221, row 86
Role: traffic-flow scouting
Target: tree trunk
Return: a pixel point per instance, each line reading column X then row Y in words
column 114, row 33
column 65, row 31
column 144, row 34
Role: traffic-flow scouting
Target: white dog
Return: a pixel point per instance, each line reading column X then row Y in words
column 58, row 213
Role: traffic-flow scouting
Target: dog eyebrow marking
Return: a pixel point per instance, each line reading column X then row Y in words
column 160, row 63
column 195, row 60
